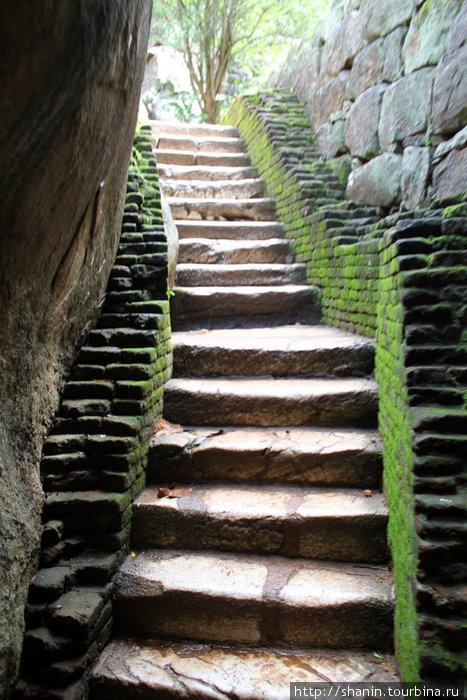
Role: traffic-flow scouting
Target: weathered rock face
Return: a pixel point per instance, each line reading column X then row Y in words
column 70, row 87
column 414, row 52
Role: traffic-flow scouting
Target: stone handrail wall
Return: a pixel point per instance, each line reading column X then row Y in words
column 94, row 458
column 385, row 90
column 402, row 279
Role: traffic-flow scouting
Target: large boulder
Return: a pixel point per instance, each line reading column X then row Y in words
column 378, row 182
column 381, row 16
column 70, row 73
column 450, row 175
column 416, row 172
column 406, row 108
column 450, row 94
column 428, row 34
column 361, row 127
column 328, row 99
column 367, row 68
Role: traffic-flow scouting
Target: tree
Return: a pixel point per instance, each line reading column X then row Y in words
column 211, row 33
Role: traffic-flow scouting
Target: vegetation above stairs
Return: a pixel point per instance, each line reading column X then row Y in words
column 400, row 278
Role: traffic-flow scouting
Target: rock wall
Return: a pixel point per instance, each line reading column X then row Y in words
column 401, row 278
column 385, row 89
column 70, row 75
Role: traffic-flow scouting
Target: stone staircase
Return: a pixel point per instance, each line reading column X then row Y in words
column 259, row 547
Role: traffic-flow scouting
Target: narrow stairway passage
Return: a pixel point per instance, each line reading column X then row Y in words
column 270, row 563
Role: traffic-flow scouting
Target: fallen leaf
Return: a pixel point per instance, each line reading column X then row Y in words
column 163, row 427
column 173, row 492
column 368, row 493
column 202, row 330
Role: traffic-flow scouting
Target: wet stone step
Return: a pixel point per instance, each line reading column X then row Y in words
column 193, row 275
column 147, row 670
column 220, row 189
column 271, row 402
column 303, row 455
column 293, row 521
column 281, row 351
column 205, row 172
column 244, row 305
column 204, row 250
column 254, row 599
column 236, row 230
column 175, row 157
column 204, row 144
column 260, row 209
column 180, row 129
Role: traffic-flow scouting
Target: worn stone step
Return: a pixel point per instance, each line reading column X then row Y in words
column 305, row 455
column 204, row 144
column 206, row 172
column 221, row 597
column 180, row 129
column 205, row 250
column 193, row 307
column 281, row 351
column 293, row 521
column 174, row 157
column 260, row 209
column 231, row 230
column 221, row 275
column 268, row 402
column 140, row 670
column 219, row 189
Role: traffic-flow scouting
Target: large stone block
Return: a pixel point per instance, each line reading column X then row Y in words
column 458, row 33
column 361, row 128
column 393, row 66
column 428, row 34
column 382, row 16
column 343, row 44
column 406, row 108
column 450, row 176
column 305, row 75
column 367, row 68
column 450, row 94
column 416, row 170
column 329, row 139
column 328, row 100
column 378, row 182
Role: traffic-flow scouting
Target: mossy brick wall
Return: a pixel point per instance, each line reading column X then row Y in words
column 403, row 280
column 94, row 458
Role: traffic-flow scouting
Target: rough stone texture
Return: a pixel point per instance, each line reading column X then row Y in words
column 406, row 108
column 382, row 17
column 145, row 670
column 329, row 138
column 450, row 176
column 61, row 209
column 378, row 182
column 457, row 35
column 450, row 94
column 367, row 68
column 328, row 99
column 393, row 65
column 343, row 44
column 416, row 172
column 361, row 126
column 427, row 38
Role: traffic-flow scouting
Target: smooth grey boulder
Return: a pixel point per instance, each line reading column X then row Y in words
column 378, row 182
column 361, row 127
column 393, row 66
column 328, row 99
column 450, row 94
column 367, row 68
column 381, row 17
column 406, row 108
column 450, row 176
column 428, row 34
column 416, row 171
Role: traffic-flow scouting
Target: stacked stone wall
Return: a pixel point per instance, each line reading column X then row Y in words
column 401, row 278
column 94, row 458
column 385, row 90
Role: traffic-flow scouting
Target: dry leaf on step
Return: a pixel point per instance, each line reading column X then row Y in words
column 175, row 492
column 163, row 427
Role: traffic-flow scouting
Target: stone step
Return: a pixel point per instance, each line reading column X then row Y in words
column 281, row 351
column 271, row 402
column 260, row 209
column 205, row 250
column 305, row 455
column 251, row 599
column 221, row 275
column 181, row 129
column 140, row 670
column 230, row 230
column 174, row 157
column 220, row 189
column 195, row 307
column 206, row 172
column 293, row 521
column 197, row 144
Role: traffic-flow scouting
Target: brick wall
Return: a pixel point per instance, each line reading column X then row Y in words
column 94, row 458
column 401, row 278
